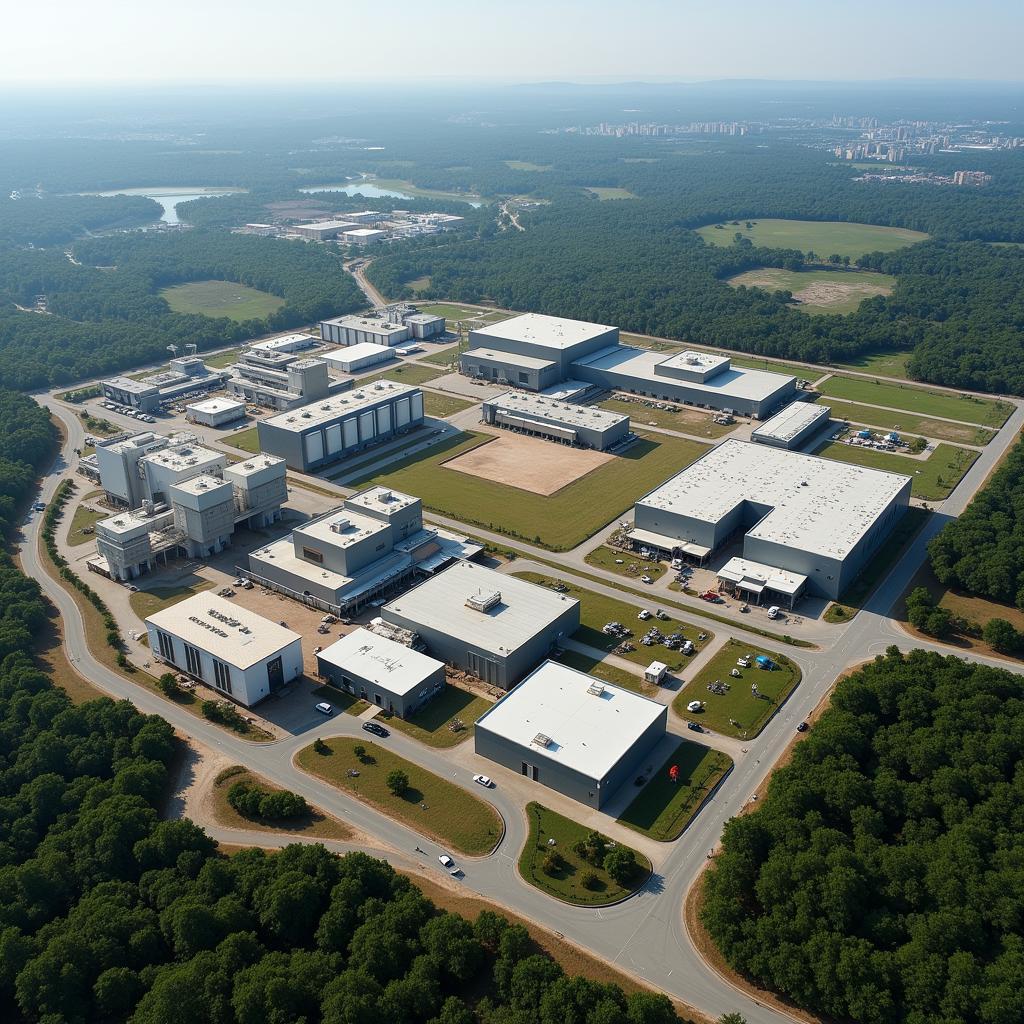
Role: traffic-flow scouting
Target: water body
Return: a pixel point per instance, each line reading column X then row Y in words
column 371, row 191
column 169, row 197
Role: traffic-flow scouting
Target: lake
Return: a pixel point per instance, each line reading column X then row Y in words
column 168, row 197
column 371, row 191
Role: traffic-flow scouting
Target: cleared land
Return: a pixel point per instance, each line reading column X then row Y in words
column 738, row 712
column 525, row 165
column 528, row 463
column 966, row 408
column 824, row 237
column 686, row 421
column 441, row 406
column 934, row 478
column 664, row 808
column 407, row 373
column 431, row 805
column 604, row 193
column 941, row 430
column 566, row 875
column 819, row 291
column 432, row 724
column 558, row 522
column 223, row 359
column 602, row 670
column 221, row 298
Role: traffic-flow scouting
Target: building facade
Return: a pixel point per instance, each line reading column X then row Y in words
column 565, row 422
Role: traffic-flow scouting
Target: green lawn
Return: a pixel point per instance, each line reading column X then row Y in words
column 341, row 700
column 941, row 430
column 605, row 193
column 564, row 883
column 609, row 673
column 223, row 359
column 84, row 518
column 885, row 364
column 248, row 440
column 221, row 298
column 986, row 411
column 596, row 610
column 824, row 237
column 447, row 357
column 407, row 373
column 443, row 405
column 559, row 521
column 632, row 566
column 738, row 705
column 664, row 808
column 431, row 724
column 818, row 291
column 432, row 806
column 149, row 602
column 347, row 468
column 934, row 478
column 644, row 412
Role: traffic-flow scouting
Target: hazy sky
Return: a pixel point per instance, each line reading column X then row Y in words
column 59, row 41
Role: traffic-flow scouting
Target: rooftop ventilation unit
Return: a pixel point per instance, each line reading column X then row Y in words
column 386, row 496
column 596, row 689
column 542, row 740
column 340, row 525
column 484, row 602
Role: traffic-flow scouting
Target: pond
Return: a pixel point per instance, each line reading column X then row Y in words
column 169, row 197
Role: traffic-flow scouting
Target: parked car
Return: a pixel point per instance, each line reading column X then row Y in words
column 695, row 726
column 449, row 865
column 377, row 730
column 802, row 727
column 483, row 780
column 773, row 612
column 646, row 579
column 324, row 708
column 644, row 614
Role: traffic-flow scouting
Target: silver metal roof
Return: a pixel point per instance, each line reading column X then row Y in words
column 797, row 416
column 394, row 666
column 555, row 332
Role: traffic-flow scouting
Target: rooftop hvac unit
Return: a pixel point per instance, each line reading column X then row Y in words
column 386, row 496
column 339, row 525
column 484, row 602
column 542, row 740
column 596, row 689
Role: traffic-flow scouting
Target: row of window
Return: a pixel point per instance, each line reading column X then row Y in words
column 194, row 661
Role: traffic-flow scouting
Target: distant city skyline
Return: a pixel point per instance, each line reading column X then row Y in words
column 221, row 41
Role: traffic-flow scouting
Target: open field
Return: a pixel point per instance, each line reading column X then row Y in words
column 988, row 412
column 738, row 705
column 605, row 193
column 530, row 463
column 633, row 566
column 643, row 411
column 602, row 670
column 441, row 406
column 430, row 725
column 819, row 291
column 934, row 478
column 406, row 373
column 525, row 165
column 565, row 880
column 85, row 518
column 824, row 237
column 431, row 805
column 885, row 364
column 941, row 430
column 664, row 808
column 447, row 357
column 558, row 522
column 223, row 359
column 149, row 602
column 248, row 440
column 596, row 610
column 221, row 298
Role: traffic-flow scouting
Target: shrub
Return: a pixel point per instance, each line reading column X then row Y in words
column 320, row 747
column 553, row 863
column 398, row 781
column 360, row 751
column 1001, row 635
column 589, row 879
column 620, row 864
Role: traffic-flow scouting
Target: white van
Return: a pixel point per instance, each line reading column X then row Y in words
column 773, row 612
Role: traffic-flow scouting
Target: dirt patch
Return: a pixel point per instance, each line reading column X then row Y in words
column 823, row 293
column 528, row 463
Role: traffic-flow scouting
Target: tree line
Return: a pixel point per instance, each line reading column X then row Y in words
column 51, row 220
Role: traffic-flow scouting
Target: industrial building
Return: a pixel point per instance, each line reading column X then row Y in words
column 295, row 342
column 197, row 519
column 362, row 236
column 360, row 356
column 323, row 432
column 793, row 426
column 498, row 627
column 322, row 230
column 372, row 544
column 281, row 378
column 805, row 515
column 572, row 733
column 187, row 375
column 382, row 672
column 215, row 412
column 363, row 330
column 538, row 352
column 540, row 416
column 243, row 655
column 424, row 325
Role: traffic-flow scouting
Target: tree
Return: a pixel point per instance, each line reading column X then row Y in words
column 589, row 878
column 168, row 685
column 398, row 781
column 360, row 751
column 1001, row 635
column 553, row 863
column 620, row 864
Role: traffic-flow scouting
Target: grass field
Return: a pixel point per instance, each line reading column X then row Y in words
column 84, row 518
column 686, row 421
column 221, row 298
column 525, row 165
column 885, row 364
column 824, row 237
column 941, row 430
column 149, row 602
column 602, row 670
column 986, row 411
column 738, row 705
column 430, row 725
column 565, row 882
column 818, row 291
column 664, row 808
column 447, row 357
column 559, row 521
column 431, row 805
column 934, row 478
column 248, row 440
column 633, row 566
column 222, row 359
column 443, row 405
column 596, row 610
column 605, row 193
column 407, row 373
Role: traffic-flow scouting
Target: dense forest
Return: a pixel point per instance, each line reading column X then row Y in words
column 49, row 220
column 982, row 551
column 880, row 879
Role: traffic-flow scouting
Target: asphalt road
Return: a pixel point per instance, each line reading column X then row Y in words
column 645, row 936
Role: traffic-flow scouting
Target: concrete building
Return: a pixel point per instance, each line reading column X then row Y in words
column 365, row 217
column 186, row 376
column 498, row 627
column 321, row 230
column 753, row 581
column 793, row 426
column 215, row 412
column 424, row 325
column 132, row 393
column 806, row 515
column 572, row 733
column 363, row 236
column 357, row 330
column 382, row 672
column 327, row 431
column 371, row 545
column 243, row 655
column 281, row 379
column 117, row 463
column 175, row 464
column 360, row 356
column 294, row 342
column 540, row 416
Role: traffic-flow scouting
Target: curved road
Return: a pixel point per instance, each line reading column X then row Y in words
column 645, row 936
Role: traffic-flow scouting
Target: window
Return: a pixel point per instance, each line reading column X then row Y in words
column 222, row 675
column 193, row 661
column 524, row 378
column 312, row 555
column 166, row 646
column 381, row 547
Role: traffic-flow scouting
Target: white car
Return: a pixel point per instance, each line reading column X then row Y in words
column 694, row 706
column 446, row 862
column 483, row 780
column 646, row 579
column 773, row 612
column 324, row 708
column 644, row 615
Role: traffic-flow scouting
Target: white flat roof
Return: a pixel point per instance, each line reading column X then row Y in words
column 184, row 456
column 590, row 724
column 755, row 385
column 525, row 608
column 512, row 358
column 743, row 570
column 341, row 528
column 327, row 225
column 394, row 666
column 555, row 332
column 214, row 405
column 215, row 625
column 360, row 350
column 797, row 416
column 284, row 342
column 372, row 324
column 202, row 484
column 255, row 464
column 282, row 553
column 693, row 359
column 325, row 410
column 379, row 498
column 816, row 504
column 363, row 232
column 528, row 403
